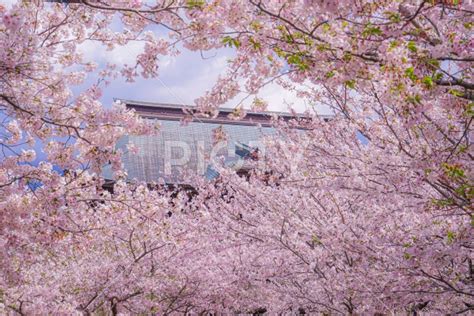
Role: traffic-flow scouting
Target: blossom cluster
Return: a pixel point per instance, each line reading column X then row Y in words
column 369, row 212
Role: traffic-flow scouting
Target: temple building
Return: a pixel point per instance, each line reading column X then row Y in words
column 197, row 146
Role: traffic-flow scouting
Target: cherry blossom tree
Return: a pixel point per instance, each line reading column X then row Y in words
column 370, row 212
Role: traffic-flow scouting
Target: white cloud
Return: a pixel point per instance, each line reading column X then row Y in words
column 95, row 51
column 184, row 78
column 8, row 3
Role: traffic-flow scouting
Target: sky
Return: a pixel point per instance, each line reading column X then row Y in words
column 8, row 3
column 181, row 79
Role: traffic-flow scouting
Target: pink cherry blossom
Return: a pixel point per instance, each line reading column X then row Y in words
column 367, row 212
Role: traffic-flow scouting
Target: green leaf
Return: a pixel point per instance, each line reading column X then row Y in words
column 438, row 76
column 330, row 74
column 410, row 73
column 350, row 84
column 230, row 41
column 371, row 30
column 288, row 39
column 453, row 171
column 394, row 44
column 469, row 110
column 256, row 45
column 433, row 62
column 280, row 52
column 398, row 88
column 298, row 61
column 294, row 59
column 442, row 203
column 412, row 47
column 416, row 99
column 326, row 27
column 450, row 236
column 393, row 16
column 347, row 56
column 323, row 47
column 428, row 82
column 466, row 191
column 456, row 93
column 195, row 4
column 256, row 26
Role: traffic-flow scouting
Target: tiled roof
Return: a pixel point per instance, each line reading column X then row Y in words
column 189, row 148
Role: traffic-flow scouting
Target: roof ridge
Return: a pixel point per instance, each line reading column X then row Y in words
column 224, row 110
